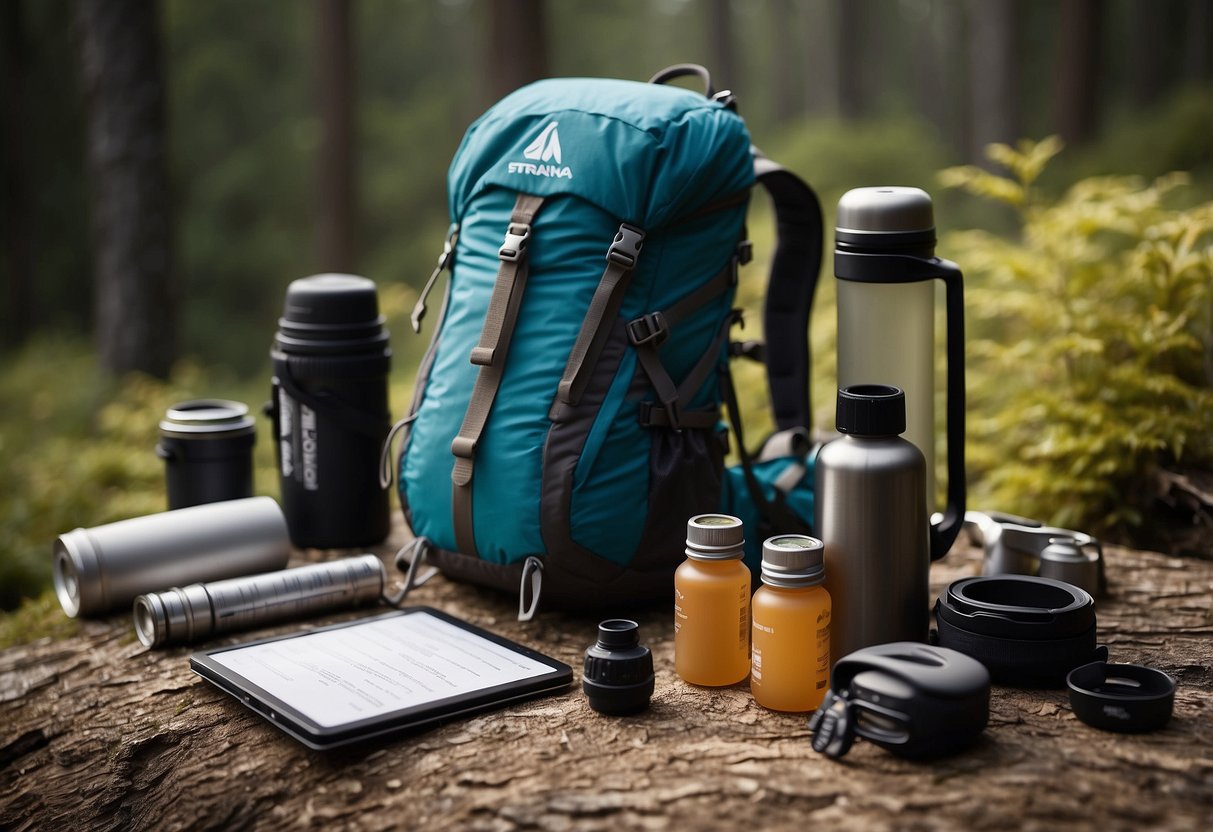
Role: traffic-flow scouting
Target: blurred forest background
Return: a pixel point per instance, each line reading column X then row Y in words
column 170, row 166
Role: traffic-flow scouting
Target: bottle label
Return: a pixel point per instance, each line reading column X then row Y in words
column 823, row 649
column 743, row 618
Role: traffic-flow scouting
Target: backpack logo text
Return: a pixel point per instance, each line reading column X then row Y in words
column 545, row 148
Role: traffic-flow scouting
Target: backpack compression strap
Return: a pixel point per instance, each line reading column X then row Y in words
column 794, row 270
column 490, row 355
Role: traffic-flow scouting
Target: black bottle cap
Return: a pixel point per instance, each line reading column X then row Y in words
column 327, row 312
column 871, row 410
column 618, row 674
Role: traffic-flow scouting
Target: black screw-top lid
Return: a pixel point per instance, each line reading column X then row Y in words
column 618, row 674
column 330, row 312
column 331, row 299
column 871, row 410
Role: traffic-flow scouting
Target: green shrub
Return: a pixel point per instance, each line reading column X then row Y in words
column 1090, row 347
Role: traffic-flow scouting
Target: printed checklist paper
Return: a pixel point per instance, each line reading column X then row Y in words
column 339, row 676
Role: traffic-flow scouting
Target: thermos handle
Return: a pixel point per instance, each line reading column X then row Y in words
column 943, row 535
column 850, row 265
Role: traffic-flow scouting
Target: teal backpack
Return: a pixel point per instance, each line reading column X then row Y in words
column 566, row 419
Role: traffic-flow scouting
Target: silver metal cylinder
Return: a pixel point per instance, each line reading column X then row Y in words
column 871, row 516
column 102, row 569
column 193, row 613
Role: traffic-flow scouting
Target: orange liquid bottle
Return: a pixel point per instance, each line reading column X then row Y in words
column 712, row 604
column 791, row 610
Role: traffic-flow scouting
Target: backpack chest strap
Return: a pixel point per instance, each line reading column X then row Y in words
column 490, row 356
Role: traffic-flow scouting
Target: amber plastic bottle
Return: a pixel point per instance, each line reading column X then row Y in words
column 791, row 611
column 712, row 604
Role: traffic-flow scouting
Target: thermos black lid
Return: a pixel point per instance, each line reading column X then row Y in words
column 327, row 312
column 871, row 410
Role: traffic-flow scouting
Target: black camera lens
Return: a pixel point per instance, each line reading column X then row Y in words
column 618, row 674
column 1027, row 631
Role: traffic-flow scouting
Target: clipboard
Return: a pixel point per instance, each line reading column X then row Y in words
column 378, row 676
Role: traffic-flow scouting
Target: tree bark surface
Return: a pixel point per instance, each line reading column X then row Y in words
column 135, row 303
column 97, row 732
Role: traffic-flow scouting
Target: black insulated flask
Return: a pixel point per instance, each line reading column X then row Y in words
column 330, row 411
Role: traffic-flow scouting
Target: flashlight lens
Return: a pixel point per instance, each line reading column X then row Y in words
column 67, row 584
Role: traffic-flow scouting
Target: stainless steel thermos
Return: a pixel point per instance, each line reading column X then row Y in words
column 872, row 517
column 330, row 411
column 104, row 568
column 884, row 259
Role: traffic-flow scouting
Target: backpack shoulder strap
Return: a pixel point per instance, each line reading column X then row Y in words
column 794, row 270
column 490, row 356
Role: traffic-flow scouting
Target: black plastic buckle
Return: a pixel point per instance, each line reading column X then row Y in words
column 648, row 329
column 517, row 237
column 626, row 246
column 755, row 351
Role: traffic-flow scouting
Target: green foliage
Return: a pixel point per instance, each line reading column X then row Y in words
column 36, row 618
column 1091, row 342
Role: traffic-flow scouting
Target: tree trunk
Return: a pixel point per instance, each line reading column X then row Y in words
column 1198, row 27
column 852, row 72
column 994, row 79
column 134, row 304
column 1076, row 101
column 786, row 98
column 517, row 46
column 1147, row 47
column 16, row 208
column 336, row 210
column 98, row 733
column 720, row 45
column 822, row 85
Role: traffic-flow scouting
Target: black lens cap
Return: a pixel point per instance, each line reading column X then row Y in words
column 618, row 675
column 1126, row 698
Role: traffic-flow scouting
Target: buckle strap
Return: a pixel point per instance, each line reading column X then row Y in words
column 626, row 246
column 490, row 356
column 622, row 256
column 648, row 329
column 653, row 415
column 517, row 238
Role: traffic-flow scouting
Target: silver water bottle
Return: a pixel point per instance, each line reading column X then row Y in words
column 872, row 517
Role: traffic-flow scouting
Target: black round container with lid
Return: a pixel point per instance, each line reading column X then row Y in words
column 207, row 448
column 330, row 410
column 618, row 674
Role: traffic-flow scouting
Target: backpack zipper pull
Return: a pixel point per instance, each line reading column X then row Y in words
column 444, row 262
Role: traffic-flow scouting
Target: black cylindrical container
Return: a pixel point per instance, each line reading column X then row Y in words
column 207, row 448
column 330, row 411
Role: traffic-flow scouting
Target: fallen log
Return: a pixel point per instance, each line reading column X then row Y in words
column 97, row 732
